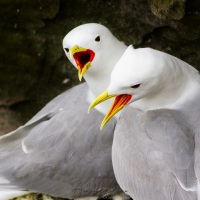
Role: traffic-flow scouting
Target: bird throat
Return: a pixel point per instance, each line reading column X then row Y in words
column 83, row 59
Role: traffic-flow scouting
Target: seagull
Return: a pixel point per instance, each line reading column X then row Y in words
column 92, row 48
column 156, row 144
column 60, row 151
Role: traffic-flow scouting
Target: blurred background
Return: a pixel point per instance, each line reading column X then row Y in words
column 33, row 66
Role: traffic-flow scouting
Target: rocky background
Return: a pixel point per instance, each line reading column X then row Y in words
column 33, row 67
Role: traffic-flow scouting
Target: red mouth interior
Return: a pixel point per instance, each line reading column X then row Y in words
column 121, row 100
column 83, row 57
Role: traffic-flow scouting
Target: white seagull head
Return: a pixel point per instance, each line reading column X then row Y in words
column 91, row 47
column 149, row 78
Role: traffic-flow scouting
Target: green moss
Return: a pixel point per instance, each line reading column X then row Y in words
column 168, row 9
column 36, row 197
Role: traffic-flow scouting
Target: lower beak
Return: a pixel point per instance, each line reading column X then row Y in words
column 81, row 71
column 119, row 102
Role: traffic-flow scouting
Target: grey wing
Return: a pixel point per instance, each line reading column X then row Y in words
column 142, row 158
column 62, row 153
column 174, row 137
column 65, row 100
column 197, row 156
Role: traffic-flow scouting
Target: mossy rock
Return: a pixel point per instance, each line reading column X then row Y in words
column 168, row 9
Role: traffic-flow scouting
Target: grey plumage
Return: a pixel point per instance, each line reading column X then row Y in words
column 60, row 151
column 153, row 155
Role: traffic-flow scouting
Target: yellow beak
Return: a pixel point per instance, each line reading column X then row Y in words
column 83, row 58
column 102, row 97
column 119, row 102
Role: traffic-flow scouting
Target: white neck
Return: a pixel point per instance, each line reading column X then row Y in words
column 98, row 80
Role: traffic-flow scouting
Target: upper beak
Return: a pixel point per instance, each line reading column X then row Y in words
column 119, row 102
column 83, row 58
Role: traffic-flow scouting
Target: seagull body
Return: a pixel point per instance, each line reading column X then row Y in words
column 155, row 151
column 159, row 165
column 58, row 155
column 61, row 151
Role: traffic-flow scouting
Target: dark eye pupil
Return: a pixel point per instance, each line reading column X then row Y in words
column 97, row 39
column 135, row 86
column 67, row 50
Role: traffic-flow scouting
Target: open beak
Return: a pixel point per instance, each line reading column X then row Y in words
column 83, row 58
column 119, row 102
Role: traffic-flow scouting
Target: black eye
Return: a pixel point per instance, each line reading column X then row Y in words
column 97, row 39
column 67, row 50
column 135, row 86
